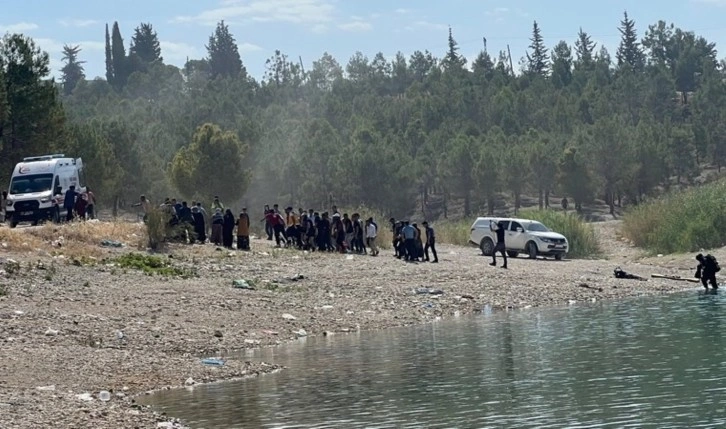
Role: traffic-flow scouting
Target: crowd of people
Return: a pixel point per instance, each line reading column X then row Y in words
column 305, row 230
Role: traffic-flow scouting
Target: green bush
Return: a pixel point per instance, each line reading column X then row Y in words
column 685, row 221
column 157, row 228
column 580, row 235
column 152, row 265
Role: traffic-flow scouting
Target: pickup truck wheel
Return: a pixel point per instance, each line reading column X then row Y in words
column 531, row 250
column 486, row 246
column 13, row 224
column 512, row 254
column 559, row 256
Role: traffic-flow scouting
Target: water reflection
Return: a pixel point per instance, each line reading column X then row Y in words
column 644, row 363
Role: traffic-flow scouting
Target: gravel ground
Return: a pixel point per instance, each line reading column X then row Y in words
column 68, row 330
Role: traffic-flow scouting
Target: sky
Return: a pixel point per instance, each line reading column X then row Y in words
column 307, row 28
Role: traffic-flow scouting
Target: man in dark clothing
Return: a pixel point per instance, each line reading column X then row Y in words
column 323, row 237
column 69, row 202
column 186, row 220
column 707, row 269
column 269, row 230
column 430, row 243
column 500, row 247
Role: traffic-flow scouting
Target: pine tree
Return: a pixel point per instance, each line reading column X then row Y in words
column 561, row 65
column 538, row 60
column 584, row 48
column 72, row 70
column 629, row 52
column 145, row 44
column 224, row 58
column 453, row 61
column 109, row 59
column 120, row 61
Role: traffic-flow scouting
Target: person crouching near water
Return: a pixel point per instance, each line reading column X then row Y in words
column 498, row 227
column 706, row 270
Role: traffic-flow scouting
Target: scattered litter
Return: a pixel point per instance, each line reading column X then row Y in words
column 242, row 284
column 471, row 297
column 51, row 332
column 213, row 362
column 620, row 274
column 269, row 332
column 350, row 257
column 111, row 243
column 46, row 388
column 104, row 395
column 253, row 342
column 572, row 302
column 297, row 277
column 301, row 333
column 326, row 307
column 288, row 316
column 19, row 312
column 428, row 305
column 86, row 397
column 429, row 291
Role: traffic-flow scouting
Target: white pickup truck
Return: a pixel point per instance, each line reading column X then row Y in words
column 521, row 236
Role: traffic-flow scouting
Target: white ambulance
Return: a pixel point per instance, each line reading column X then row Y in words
column 38, row 185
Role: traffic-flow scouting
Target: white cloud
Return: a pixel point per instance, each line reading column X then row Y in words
column 356, row 26
column 402, row 11
column 177, row 52
column 77, row 22
column 293, row 11
column 320, row 28
column 248, row 47
column 713, row 2
column 425, row 25
column 18, row 27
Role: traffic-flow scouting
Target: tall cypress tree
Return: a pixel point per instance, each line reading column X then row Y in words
column 538, row 60
column 629, row 51
column 109, row 60
column 120, row 61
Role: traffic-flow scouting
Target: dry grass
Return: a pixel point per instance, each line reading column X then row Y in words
column 77, row 239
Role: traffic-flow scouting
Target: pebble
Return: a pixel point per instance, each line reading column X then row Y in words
column 189, row 382
column 288, row 316
column 301, row 333
column 218, row 334
column 51, row 332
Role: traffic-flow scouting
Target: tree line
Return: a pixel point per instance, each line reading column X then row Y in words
column 399, row 135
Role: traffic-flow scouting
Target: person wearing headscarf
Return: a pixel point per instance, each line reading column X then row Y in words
column 228, row 229
column 243, row 231
column 217, row 225
column 200, row 227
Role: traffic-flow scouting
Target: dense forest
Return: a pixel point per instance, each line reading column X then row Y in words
column 400, row 135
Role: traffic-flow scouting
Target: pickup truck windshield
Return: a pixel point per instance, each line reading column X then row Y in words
column 537, row 227
column 31, row 183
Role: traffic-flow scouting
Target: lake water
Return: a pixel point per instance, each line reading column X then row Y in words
column 651, row 362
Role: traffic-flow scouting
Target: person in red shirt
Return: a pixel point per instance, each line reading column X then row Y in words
column 278, row 226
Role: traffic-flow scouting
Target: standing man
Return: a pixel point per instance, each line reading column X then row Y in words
column 707, row 269
column 371, row 233
column 292, row 222
column 69, row 202
column 408, row 232
column 91, row 207
column 216, row 204
column 143, row 203
column 500, row 247
column 430, row 243
column 243, row 231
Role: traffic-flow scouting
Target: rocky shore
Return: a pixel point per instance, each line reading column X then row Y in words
column 69, row 331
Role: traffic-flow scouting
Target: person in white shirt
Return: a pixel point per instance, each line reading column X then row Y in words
column 371, row 233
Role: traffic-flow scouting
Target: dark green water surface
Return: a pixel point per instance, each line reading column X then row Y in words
column 651, row 362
